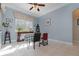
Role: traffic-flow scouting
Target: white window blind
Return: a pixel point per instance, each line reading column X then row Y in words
column 24, row 25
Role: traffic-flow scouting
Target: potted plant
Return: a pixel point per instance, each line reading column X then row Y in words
column 5, row 24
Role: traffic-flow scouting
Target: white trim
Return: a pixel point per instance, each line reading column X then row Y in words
column 59, row 41
column 7, row 42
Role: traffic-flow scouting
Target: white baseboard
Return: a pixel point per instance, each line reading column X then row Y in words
column 7, row 42
column 59, row 41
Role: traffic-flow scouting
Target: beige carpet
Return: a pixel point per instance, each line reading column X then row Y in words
column 52, row 49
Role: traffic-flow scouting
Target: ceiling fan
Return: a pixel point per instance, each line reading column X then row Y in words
column 36, row 5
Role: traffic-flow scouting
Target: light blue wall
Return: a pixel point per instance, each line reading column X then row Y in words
column 61, row 19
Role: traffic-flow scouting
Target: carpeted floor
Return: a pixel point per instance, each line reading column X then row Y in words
column 52, row 49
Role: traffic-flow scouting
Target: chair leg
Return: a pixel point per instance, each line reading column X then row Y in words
column 47, row 41
column 9, row 40
column 43, row 43
column 34, row 46
column 4, row 42
column 39, row 43
column 29, row 41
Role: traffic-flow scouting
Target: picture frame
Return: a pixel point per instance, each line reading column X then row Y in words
column 7, row 22
column 48, row 22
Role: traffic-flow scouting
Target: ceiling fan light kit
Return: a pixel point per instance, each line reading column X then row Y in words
column 36, row 6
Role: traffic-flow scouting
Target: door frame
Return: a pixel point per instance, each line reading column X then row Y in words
column 73, row 26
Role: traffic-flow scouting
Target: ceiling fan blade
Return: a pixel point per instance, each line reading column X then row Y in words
column 41, row 4
column 31, row 8
column 38, row 9
column 29, row 3
column 33, row 3
column 37, row 4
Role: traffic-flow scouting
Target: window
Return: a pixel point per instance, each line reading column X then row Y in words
column 24, row 25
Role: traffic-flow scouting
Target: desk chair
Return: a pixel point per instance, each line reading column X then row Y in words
column 36, row 39
column 44, row 39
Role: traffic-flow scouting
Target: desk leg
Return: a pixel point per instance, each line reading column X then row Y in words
column 29, row 41
column 18, row 38
column 39, row 43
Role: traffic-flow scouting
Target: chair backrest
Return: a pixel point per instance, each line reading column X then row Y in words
column 37, row 37
column 45, row 36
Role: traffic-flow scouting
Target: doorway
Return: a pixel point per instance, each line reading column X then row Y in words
column 76, row 27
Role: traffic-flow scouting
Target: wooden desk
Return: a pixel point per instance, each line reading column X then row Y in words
column 19, row 35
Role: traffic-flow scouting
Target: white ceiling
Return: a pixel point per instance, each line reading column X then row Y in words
column 24, row 7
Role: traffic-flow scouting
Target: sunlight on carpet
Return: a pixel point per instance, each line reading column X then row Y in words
column 10, row 49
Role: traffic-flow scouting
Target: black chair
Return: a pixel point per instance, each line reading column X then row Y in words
column 36, row 39
column 7, row 37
